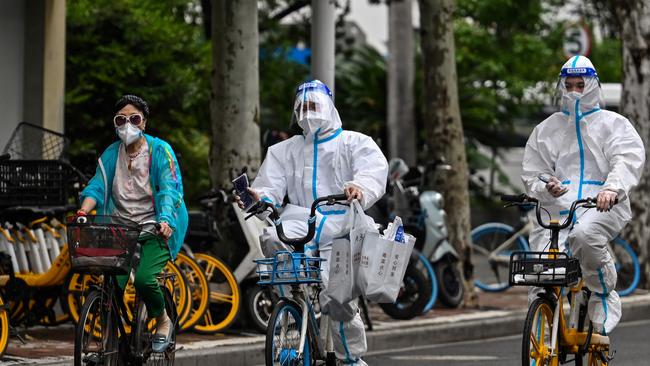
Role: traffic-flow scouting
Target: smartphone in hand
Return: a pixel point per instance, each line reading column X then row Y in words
column 546, row 178
column 241, row 189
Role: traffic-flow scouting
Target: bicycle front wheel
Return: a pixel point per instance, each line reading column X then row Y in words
column 536, row 343
column 96, row 336
column 283, row 336
column 627, row 266
column 490, row 267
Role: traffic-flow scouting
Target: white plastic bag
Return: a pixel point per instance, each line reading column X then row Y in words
column 384, row 259
column 346, row 255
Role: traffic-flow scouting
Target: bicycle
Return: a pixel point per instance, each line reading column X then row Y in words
column 294, row 336
column 547, row 338
column 493, row 242
column 108, row 246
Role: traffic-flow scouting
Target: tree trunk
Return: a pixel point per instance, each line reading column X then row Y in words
column 443, row 125
column 234, row 104
column 634, row 20
column 402, row 139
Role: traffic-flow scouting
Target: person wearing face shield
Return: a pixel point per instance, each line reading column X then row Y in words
column 324, row 160
column 138, row 178
column 585, row 151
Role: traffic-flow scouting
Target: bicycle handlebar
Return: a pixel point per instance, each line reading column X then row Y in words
column 524, row 199
column 298, row 243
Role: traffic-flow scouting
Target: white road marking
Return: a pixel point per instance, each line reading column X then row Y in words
column 444, row 358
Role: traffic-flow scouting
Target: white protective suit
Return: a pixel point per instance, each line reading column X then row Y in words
column 323, row 161
column 588, row 150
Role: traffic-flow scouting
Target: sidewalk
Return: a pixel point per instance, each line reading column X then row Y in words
column 499, row 314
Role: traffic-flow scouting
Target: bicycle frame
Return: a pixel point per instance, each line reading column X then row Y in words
column 309, row 324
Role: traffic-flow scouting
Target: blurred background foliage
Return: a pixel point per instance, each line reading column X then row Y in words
column 508, row 52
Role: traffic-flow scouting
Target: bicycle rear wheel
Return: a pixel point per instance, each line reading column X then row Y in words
column 283, row 336
column 536, row 342
column 96, row 334
column 627, row 266
column 491, row 269
column 145, row 330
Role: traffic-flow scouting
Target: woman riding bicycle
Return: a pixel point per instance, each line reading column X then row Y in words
column 585, row 152
column 138, row 178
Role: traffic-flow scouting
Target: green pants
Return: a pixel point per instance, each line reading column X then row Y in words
column 154, row 254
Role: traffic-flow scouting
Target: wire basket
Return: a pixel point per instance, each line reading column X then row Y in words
column 543, row 269
column 286, row 268
column 32, row 142
column 35, row 183
column 105, row 244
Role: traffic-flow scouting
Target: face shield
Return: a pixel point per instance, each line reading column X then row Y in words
column 314, row 110
column 575, row 70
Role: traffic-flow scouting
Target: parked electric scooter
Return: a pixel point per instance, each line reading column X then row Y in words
column 423, row 217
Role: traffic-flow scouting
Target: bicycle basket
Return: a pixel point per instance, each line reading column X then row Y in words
column 543, row 269
column 32, row 142
column 286, row 268
column 104, row 244
column 35, row 183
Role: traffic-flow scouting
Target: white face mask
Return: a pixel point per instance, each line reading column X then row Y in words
column 128, row 133
column 311, row 125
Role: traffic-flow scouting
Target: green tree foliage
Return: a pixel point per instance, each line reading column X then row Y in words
column 154, row 49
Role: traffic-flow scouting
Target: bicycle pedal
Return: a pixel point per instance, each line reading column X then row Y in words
column 606, row 358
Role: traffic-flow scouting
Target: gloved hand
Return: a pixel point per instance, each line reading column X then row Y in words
column 238, row 201
column 605, row 200
column 555, row 187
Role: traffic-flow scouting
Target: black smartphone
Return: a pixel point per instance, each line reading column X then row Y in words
column 241, row 188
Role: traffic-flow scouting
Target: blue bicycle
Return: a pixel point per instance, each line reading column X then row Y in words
column 494, row 242
column 294, row 336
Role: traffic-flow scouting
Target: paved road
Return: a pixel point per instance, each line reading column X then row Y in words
column 630, row 340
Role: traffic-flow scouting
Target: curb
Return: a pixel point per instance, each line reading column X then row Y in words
column 386, row 336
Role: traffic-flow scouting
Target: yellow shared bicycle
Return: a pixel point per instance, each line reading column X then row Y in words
column 549, row 337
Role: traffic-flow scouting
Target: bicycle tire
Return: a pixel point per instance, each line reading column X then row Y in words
column 105, row 330
column 431, row 275
column 539, row 312
column 287, row 354
column 627, row 267
column 4, row 328
column 492, row 235
column 225, row 298
column 198, row 286
column 413, row 295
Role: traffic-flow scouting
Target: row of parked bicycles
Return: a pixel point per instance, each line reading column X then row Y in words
column 214, row 281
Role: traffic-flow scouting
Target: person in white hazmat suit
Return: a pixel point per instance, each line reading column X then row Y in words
column 587, row 152
column 324, row 160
